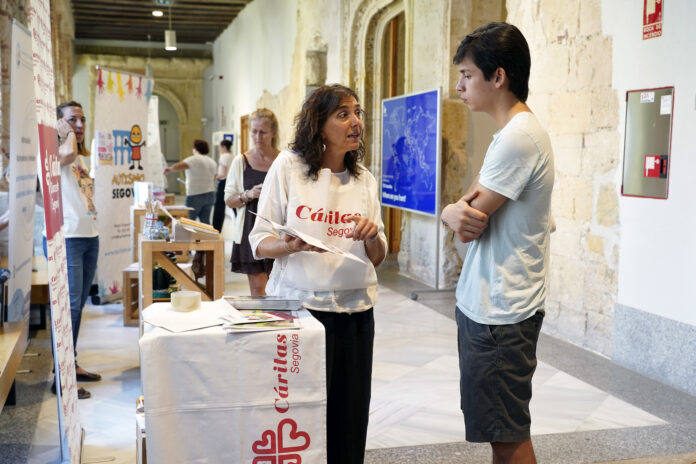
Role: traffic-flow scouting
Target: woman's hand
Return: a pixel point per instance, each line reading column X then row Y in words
column 295, row 244
column 364, row 229
column 64, row 129
column 254, row 192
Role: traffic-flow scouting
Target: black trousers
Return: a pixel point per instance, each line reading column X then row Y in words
column 349, row 347
column 219, row 210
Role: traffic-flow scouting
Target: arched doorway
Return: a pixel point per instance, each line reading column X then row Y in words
column 169, row 140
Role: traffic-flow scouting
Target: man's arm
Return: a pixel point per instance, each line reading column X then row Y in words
column 468, row 217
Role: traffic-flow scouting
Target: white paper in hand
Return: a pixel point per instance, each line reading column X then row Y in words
column 315, row 242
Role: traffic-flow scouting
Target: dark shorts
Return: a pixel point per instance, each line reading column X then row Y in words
column 496, row 364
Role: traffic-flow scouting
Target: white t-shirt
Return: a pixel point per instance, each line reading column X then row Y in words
column 200, row 176
column 322, row 281
column 225, row 160
column 77, row 192
column 503, row 279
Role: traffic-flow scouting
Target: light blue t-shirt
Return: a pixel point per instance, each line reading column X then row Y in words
column 503, row 279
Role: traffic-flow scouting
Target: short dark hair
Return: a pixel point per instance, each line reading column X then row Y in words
column 310, row 121
column 226, row 143
column 59, row 108
column 499, row 45
column 201, row 146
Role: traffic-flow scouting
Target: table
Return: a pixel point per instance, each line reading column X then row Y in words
column 136, row 215
column 256, row 397
column 39, row 286
column 152, row 252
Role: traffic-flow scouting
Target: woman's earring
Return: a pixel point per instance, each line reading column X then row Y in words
column 323, row 147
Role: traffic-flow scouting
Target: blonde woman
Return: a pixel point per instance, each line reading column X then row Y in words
column 244, row 181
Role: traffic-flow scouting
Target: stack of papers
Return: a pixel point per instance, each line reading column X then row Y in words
column 257, row 321
column 269, row 303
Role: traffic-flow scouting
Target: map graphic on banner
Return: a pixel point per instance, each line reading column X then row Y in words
column 39, row 13
column 120, row 152
column 411, row 151
column 23, row 149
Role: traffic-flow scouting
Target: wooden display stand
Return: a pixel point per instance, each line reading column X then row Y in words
column 152, row 252
column 136, row 220
column 130, row 295
column 130, row 292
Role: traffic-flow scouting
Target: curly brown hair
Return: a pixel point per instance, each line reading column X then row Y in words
column 310, row 121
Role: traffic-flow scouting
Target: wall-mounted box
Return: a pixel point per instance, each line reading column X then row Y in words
column 647, row 142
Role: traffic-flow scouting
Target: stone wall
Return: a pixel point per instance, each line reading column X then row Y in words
column 571, row 93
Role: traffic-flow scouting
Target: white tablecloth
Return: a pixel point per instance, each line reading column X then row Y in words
column 214, row 397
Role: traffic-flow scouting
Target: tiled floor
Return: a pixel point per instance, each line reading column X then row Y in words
column 415, row 393
column 416, row 385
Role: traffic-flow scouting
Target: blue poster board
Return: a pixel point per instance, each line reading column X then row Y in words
column 411, row 152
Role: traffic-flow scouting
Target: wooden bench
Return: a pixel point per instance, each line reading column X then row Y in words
column 13, row 343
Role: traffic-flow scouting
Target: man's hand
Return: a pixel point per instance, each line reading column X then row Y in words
column 467, row 222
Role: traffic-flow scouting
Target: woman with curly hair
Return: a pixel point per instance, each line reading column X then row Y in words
column 321, row 189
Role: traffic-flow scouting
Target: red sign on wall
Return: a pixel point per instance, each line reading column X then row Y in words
column 652, row 19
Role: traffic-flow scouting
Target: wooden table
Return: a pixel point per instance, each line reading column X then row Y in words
column 152, row 252
column 137, row 213
column 39, row 285
column 13, row 343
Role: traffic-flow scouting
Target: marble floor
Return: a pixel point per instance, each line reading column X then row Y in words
column 415, row 390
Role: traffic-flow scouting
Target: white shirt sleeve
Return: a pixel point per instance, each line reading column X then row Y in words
column 509, row 164
column 235, row 178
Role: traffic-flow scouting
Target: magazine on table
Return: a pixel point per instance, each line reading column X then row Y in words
column 258, row 321
column 315, row 242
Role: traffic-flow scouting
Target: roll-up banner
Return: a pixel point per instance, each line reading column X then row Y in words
column 23, row 150
column 119, row 157
column 39, row 13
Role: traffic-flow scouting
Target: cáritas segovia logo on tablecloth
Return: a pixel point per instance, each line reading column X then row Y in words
column 284, row 444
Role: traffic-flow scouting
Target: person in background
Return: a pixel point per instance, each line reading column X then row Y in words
column 244, row 182
column 505, row 214
column 79, row 221
column 200, row 181
column 221, row 177
column 320, row 188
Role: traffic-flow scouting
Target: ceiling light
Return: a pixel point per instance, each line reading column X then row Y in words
column 170, row 34
column 158, row 13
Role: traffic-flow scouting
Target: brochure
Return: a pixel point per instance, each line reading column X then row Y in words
column 310, row 239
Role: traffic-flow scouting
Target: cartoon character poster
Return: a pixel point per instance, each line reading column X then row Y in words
column 120, row 159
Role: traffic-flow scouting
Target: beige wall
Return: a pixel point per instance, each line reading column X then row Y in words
column 571, row 93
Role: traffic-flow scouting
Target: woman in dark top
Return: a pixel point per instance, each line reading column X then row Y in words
column 244, row 181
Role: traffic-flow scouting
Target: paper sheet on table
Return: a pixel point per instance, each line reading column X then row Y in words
column 210, row 314
column 310, row 239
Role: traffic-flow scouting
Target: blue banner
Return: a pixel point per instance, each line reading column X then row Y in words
column 411, row 152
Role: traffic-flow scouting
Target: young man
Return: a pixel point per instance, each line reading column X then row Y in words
column 505, row 214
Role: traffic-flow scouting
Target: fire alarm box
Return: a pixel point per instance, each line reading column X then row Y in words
column 647, row 142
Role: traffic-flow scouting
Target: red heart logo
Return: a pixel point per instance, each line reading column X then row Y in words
column 289, row 439
column 290, row 459
column 265, row 460
column 267, row 444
